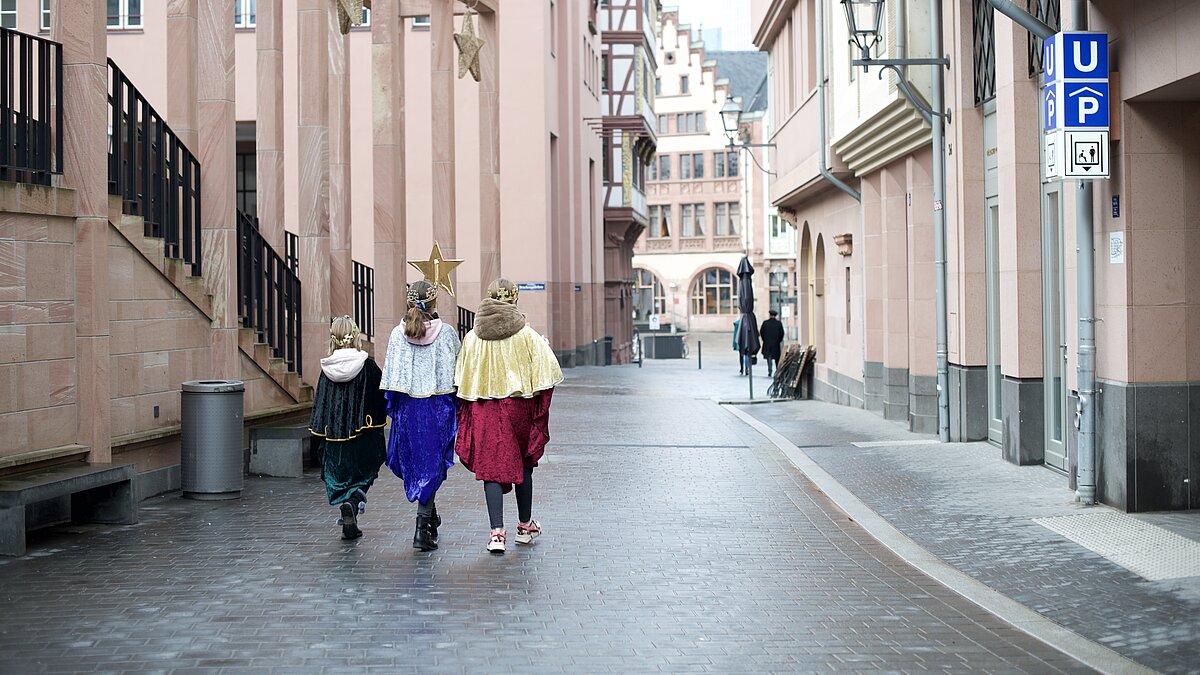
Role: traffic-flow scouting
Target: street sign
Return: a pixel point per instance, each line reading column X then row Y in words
column 1075, row 154
column 1075, row 56
column 1086, row 153
column 1075, row 106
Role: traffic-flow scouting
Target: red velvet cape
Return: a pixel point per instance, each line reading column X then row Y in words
column 499, row 438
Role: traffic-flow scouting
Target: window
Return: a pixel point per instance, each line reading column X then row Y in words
column 664, row 167
column 245, row 13
column 660, row 221
column 606, row 159
column 8, row 14
column 698, row 165
column 657, row 86
column 247, row 184
column 683, row 84
column 728, row 214
column 681, row 123
column 653, row 169
column 123, row 14
column 604, row 73
column 45, row 25
column 649, row 296
column 731, row 163
column 366, row 18
column 718, row 165
column 691, row 219
column 699, row 122
column 685, row 167
column 420, row 23
column 663, row 124
column 639, row 173
column 715, row 293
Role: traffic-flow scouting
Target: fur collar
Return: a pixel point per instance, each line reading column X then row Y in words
column 497, row 320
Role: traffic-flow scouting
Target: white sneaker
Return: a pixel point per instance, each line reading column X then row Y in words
column 496, row 542
column 527, row 532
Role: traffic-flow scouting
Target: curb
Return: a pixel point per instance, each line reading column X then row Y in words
column 1078, row 647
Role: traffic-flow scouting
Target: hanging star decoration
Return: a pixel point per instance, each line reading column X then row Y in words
column 350, row 13
column 469, row 47
column 437, row 269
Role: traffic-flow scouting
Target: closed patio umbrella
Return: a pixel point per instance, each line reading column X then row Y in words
column 748, row 341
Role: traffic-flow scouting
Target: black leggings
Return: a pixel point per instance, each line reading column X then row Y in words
column 494, row 494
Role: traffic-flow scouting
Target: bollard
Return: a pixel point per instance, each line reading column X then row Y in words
column 699, row 355
column 641, row 352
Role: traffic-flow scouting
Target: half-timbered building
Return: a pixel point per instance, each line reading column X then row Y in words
column 628, row 30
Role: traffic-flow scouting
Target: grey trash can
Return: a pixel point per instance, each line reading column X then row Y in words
column 211, row 455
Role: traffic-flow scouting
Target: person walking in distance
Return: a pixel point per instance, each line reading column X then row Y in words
column 418, row 382
column 506, row 375
column 771, row 334
column 348, row 415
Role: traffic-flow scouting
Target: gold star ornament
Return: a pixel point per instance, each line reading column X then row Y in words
column 468, row 49
column 437, row 269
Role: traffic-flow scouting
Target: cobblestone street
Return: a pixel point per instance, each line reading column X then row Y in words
column 676, row 540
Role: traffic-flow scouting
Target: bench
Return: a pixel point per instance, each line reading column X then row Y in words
column 99, row 493
column 281, row 450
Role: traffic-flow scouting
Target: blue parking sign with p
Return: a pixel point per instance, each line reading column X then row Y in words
column 1084, row 56
column 1084, row 105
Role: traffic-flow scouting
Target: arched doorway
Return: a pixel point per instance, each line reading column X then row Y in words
column 805, row 287
column 649, row 297
column 713, row 300
column 818, row 300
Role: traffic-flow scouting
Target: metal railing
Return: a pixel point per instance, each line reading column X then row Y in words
column 364, row 299
column 466, row 321
column 153, row 173
column 269, row 299
column 291, row 245
column 31, row 110
column 983, row 43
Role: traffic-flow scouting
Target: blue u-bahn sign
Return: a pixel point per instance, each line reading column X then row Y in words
column 1075, row 105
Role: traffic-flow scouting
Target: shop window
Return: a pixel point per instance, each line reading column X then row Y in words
column 715, row 293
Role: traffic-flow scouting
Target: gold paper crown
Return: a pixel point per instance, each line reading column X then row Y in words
column 508, row 295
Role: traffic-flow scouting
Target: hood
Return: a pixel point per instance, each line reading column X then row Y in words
column 497, row 320
column 432, row 328
column 344, row 364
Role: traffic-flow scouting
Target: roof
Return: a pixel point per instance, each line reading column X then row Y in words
column 747, row 75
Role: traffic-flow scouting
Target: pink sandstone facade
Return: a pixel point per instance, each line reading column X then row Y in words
column 1011, row 237
column 366, row 148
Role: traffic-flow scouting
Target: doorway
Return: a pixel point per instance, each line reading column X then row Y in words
column 995, row 377
column 1054, row 347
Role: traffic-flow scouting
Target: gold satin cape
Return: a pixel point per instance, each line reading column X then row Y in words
column 518, row 366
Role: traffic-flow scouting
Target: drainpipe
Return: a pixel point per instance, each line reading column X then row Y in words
column 939, row 222
column 823, row 165
column 1085, row 482
column 1023, row 18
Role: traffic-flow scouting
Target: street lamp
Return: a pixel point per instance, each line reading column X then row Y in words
column 864, row 18
column 731, row 117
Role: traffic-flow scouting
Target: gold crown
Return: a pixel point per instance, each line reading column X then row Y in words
column 415, row 298
column 508, row 295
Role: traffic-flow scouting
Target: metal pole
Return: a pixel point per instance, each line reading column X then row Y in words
column 939, row 223
column 822, row 161
column 1085, row 484
column 750, row 373
column 699, row 355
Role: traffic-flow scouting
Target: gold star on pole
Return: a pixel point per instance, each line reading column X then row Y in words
column 437, row 269
column 468, row 49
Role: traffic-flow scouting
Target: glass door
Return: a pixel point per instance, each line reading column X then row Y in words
column 1054, row 347
column 995, row 378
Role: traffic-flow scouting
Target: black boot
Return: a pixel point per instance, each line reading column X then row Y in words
column 349, row 522
column 435, row 521
column 423, row 539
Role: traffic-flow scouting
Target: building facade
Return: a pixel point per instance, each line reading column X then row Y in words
column 628, row 31
column 355, row 151
column 854, row 164
column 706, row 199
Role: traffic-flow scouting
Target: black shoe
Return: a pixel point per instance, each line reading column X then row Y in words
column 435, row 521
column 349, row 522
column 423, row 539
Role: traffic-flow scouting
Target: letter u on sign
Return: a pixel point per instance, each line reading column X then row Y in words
column 1085, row 56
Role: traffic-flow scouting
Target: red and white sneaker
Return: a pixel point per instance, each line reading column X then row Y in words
column 527, row 532
column 496, row 541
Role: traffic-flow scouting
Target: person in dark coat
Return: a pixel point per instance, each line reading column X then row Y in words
column 771, row 334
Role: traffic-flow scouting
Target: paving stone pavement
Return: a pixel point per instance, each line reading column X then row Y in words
column 967, row 506
column 676, row 540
